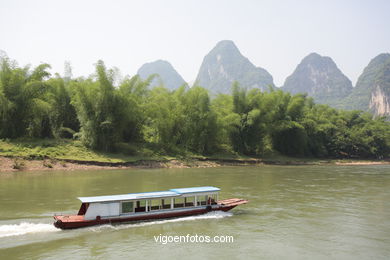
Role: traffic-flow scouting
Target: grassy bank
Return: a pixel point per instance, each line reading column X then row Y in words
column 64, row 149
column 74, row 150
column 37, row 154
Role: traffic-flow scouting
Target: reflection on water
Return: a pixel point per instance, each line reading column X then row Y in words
column 294, row 212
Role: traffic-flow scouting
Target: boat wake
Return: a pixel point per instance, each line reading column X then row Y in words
column 25, row 228
column 210, row 215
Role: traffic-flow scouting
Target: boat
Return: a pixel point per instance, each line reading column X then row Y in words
column 145, row 206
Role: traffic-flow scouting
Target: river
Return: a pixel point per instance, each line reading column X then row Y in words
column 294, row 212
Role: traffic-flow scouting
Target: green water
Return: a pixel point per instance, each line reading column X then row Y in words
column 295, row 212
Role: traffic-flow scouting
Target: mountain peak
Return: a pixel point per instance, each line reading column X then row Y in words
column 320, row 78
column 313, row 55
column 226, row 44
column 168, row 76
column 372, row 91
column 225, row 64
column 316, row 58
column 379, row 59
column 162, row 62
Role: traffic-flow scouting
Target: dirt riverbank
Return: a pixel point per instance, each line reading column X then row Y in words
column 12, row 164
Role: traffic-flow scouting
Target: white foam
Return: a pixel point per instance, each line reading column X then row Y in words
column 25, row 228
column 210, row 215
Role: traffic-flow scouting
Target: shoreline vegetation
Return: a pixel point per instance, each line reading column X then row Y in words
column 7, row 164
column 61, row 122
column 70, row 155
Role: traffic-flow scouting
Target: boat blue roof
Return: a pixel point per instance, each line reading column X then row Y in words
column 195, row 190
column 130, row 196
column 148, row 195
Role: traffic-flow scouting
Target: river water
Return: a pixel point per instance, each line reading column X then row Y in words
column 295, row 212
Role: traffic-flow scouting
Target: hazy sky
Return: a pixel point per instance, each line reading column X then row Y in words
column 275, row 35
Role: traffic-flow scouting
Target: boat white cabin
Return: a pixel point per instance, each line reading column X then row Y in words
column 146, row 206
column 147, row 202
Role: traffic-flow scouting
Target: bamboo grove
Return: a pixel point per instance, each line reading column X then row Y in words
column 108, row 115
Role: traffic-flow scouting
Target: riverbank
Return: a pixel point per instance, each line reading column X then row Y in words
column 70, row 155
column 16, row 164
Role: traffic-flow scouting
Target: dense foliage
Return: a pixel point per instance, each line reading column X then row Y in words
column 108, row 115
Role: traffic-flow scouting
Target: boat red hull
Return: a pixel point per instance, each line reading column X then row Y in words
column 76, row 221
column 87, row 223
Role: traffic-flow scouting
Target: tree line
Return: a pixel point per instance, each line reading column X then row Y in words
column 108, row 115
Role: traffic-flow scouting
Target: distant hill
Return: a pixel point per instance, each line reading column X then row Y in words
column 316, row 75
column 224, row 64
column 167, row 74
column 320, row 78
column 372, row 91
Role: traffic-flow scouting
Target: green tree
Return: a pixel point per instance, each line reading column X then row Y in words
column 100, row 110
column 24, row 95
column 199, row 126
column 62, row 115
column 247, row 129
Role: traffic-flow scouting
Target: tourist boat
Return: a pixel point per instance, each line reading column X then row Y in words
column 145, row 206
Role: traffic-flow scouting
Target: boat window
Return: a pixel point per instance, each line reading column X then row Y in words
column 209, row 199
column 189, row 201
column 179, row 202
column 166, row 203
column 214, row 199
column 127, row 207
column 140, row 206
column 202, row 200
column 155, row 204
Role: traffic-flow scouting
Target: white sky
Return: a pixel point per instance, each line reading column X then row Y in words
column 275, row 35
